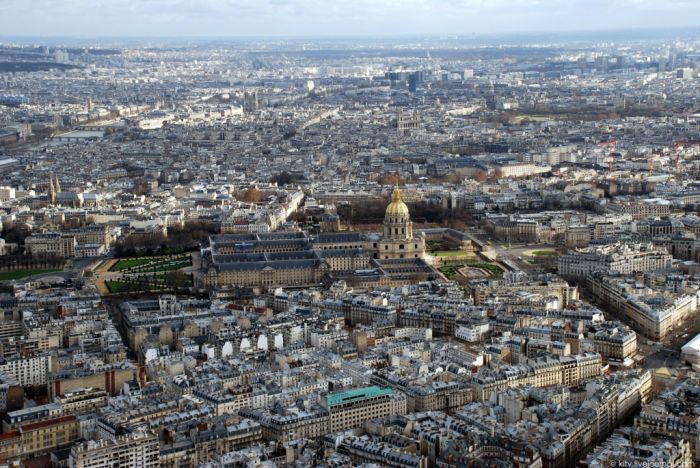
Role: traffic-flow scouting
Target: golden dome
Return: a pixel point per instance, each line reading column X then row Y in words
column 397, row 208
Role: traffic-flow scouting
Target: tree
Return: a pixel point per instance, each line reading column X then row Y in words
column 390, row 179
column 284, row 178
column 141, row 187
column 176, row 280
column 481, row 176
column 15, row 233
column 250, row 195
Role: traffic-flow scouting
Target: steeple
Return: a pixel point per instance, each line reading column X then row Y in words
column 57, row 185
column 396, row 195
column 52, row 190
column 397, row 209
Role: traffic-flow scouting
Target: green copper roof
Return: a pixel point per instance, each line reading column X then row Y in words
column 357, row 394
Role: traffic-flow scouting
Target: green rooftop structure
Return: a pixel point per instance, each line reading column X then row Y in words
column 357, row 394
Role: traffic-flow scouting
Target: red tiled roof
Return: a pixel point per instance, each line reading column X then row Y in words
column 9, row 435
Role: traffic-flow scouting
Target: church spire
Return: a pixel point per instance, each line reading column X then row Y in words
column 396, row 196
column 52, row 190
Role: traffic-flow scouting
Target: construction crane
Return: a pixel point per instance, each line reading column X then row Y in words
column 610, row 159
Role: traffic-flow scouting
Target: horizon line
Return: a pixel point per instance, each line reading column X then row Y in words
column 428, row 35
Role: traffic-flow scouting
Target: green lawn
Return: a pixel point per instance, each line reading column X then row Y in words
column 165, row 266
column 130, row 263
column 13, row 275
column 153, row 264
column 122, row 286
column 450, row 253
column 147, row 282
column 545, row 253
column 116, row 286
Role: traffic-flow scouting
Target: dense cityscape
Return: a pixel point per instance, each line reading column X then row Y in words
column 417, row 252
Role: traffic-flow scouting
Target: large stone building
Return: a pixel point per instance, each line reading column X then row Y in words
column 651, row 311
column 397, row 238
column 267, row 260
column 351, row 408
column 613, row 258
column 39, row 438
column 87, row 241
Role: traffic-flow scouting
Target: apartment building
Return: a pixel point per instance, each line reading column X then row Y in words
column 39, row 437
column 51, row 244
column 351, row 408
column 650, row 208
column 82, row 400
column 613, row 258
column 540, row 372
column 652, row 312
column 28, row 371
column 140, row 449
column 482, row 290
column 616, row 345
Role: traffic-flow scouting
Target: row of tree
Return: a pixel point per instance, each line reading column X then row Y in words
column 372, row 212
column 179, row 239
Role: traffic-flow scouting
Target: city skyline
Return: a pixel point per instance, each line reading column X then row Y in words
column 404, row 234
column 279, row 18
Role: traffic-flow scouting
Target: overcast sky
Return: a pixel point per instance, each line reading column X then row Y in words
column 208, row 18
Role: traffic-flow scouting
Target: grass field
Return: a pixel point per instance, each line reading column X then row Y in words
column 122, row 286
column 450, row 253
column 545, row 253
column 14, row 275
column 116, row 286
column 130, row 263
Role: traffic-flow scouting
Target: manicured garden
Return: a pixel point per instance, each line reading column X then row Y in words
column 452, row 270
column 150, row 283
column 545, row 253
column 152, row 264
column 129, row 263
column 450, row 253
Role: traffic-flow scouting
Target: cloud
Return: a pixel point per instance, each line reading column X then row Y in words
column 332, row 17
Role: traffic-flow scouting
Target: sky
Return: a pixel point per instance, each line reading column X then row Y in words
column 267, row 18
